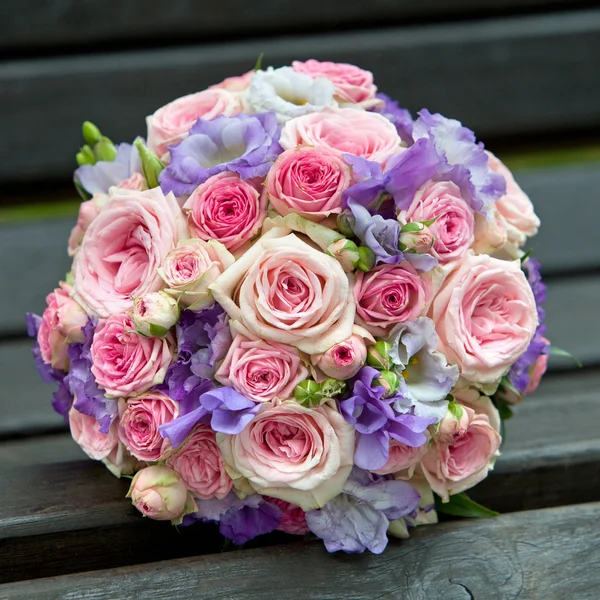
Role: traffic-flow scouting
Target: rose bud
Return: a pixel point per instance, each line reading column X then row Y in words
column 454, row 425
column 389, row 381
column 308, row 393
column 160, row 494
column 378, row 356
column 346, row 223
column 344, row 360
column 152, row 166
column 346, row 253
column 154, row 314
column 366, row 259
column 416, row 241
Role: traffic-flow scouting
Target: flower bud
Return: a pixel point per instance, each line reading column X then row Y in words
column 151, row 164
column 378, row 355
column 160, row 494
column 91, row 134
column 345, row 359
column 418, row 241
column 332, row 387
column 105, row 150
column 389, row 381
column 346, row 252
column 366, row 259
column 345, row 223
column 85, row 156
column 308, row 393
column 454, row 425
column 154, row 314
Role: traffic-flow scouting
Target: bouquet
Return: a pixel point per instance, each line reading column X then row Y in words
column 292, row 306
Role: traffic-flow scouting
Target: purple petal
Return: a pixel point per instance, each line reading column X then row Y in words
column 232, row 422
column 178, row 429
column 372, row 450
column 243, row 524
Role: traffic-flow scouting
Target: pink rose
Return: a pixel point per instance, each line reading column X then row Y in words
column 453, row 229
column 344, row 359
column 490, row 236
column 136, row 182
column 458, row 464
column 126, row 363
column 402, row 458
column 140, row 419
column 284, row 290
column 171, row 123
column 234, row 84
column 485, row 316
column 190, row 268
column 390, row 294
column 536, row 374
column 308, row 181
column 86, row 432
column 352, row 84
column 346, row 130
column 120, row 462
column 123, row 247
column 61, row 325
column 227, row 209
column 88, row 211
column 301, row 455
column 261, row 370
column 515, row 206
column 293, row 518
column 199, row 463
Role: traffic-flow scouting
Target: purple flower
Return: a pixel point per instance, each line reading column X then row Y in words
column 400, row 117
column 244, row 144
column 376, row 421
column 357, row 519
column 96, row 179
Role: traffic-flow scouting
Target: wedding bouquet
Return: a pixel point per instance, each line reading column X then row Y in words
column 294, row 307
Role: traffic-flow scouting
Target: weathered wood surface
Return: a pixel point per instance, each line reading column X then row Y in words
column 502, row 77
column 549, row 554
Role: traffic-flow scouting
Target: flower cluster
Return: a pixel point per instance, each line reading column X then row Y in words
column 294, row 307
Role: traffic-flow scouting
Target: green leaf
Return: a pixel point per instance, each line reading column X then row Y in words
column 554, row 351
column 258, row 64
column 412, row 227
column 460, row 505
column 456, row 410
column 526, row 255
column 506, row 412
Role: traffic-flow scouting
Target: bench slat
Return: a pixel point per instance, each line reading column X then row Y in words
column 501, row 77
column 536, row 554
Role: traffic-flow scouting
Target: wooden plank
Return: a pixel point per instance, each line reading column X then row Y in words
column 35, row 23
column 39, row 450
column 551, row 554
column 501, row 77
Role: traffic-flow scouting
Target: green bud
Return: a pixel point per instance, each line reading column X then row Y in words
column 345, row 223
column 308, row 393
column 389, row 381
column 151, row 164
column 332, row 387
column 366, row 260
column 378, row 355
column 105, row 150
column 346, row 252
column 85, row 156
column 91, row 134
column 455, row 409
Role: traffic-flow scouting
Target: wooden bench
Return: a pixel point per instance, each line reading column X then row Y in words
column 522, row 73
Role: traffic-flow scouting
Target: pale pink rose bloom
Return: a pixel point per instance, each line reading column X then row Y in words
column 88, row 211
column 120, row 462
column 160, row 494
column 453, row 229
column 227, row 209
column 171, row 123
column 139, row 420
column 490, row 236
column 344, row 359
column 459, row 463
column 352, row 84
column 234, row 84
column 301, row 455
column 293, row 518
column 284, row 290
column 126, row 363
column 515, row 206
column 86, row 432
column 191, row 267
column 345, row 130
column 402, row 458
column 485, row 316
column 199, row 463
column 123, row 248
column 308, row 181
column 391, row 294
column 480, row 403
column 261, row 370
column 136, row 182
column 62, row 323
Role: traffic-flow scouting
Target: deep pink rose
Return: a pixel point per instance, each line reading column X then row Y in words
column 126, row 363
column 301, row 455
column 391, row 294
column 458, row 463
column 453, row 229
column 261, row 370
column 234, row 84
column 199, row 463
column 227, row 209
column 308, row 181
column 88, row 211
column 86, row 432
column 284, row 290
column 123, row 248
column 402, row 458
column 293, row 518
column 343, row 360
column 485, row 316
column 171, row 123
column 61, row 325
column 140, row 418
column 352, row 84
column 536, row 374
column 346, row 130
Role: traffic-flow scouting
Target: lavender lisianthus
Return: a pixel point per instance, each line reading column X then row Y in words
column 358, row 519
column 400, row 117
column 244, row 144
column 376, row 421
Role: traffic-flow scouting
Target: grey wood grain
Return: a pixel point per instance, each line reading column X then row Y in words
column 504, row 76
column 39, row 450
column 549, row 554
